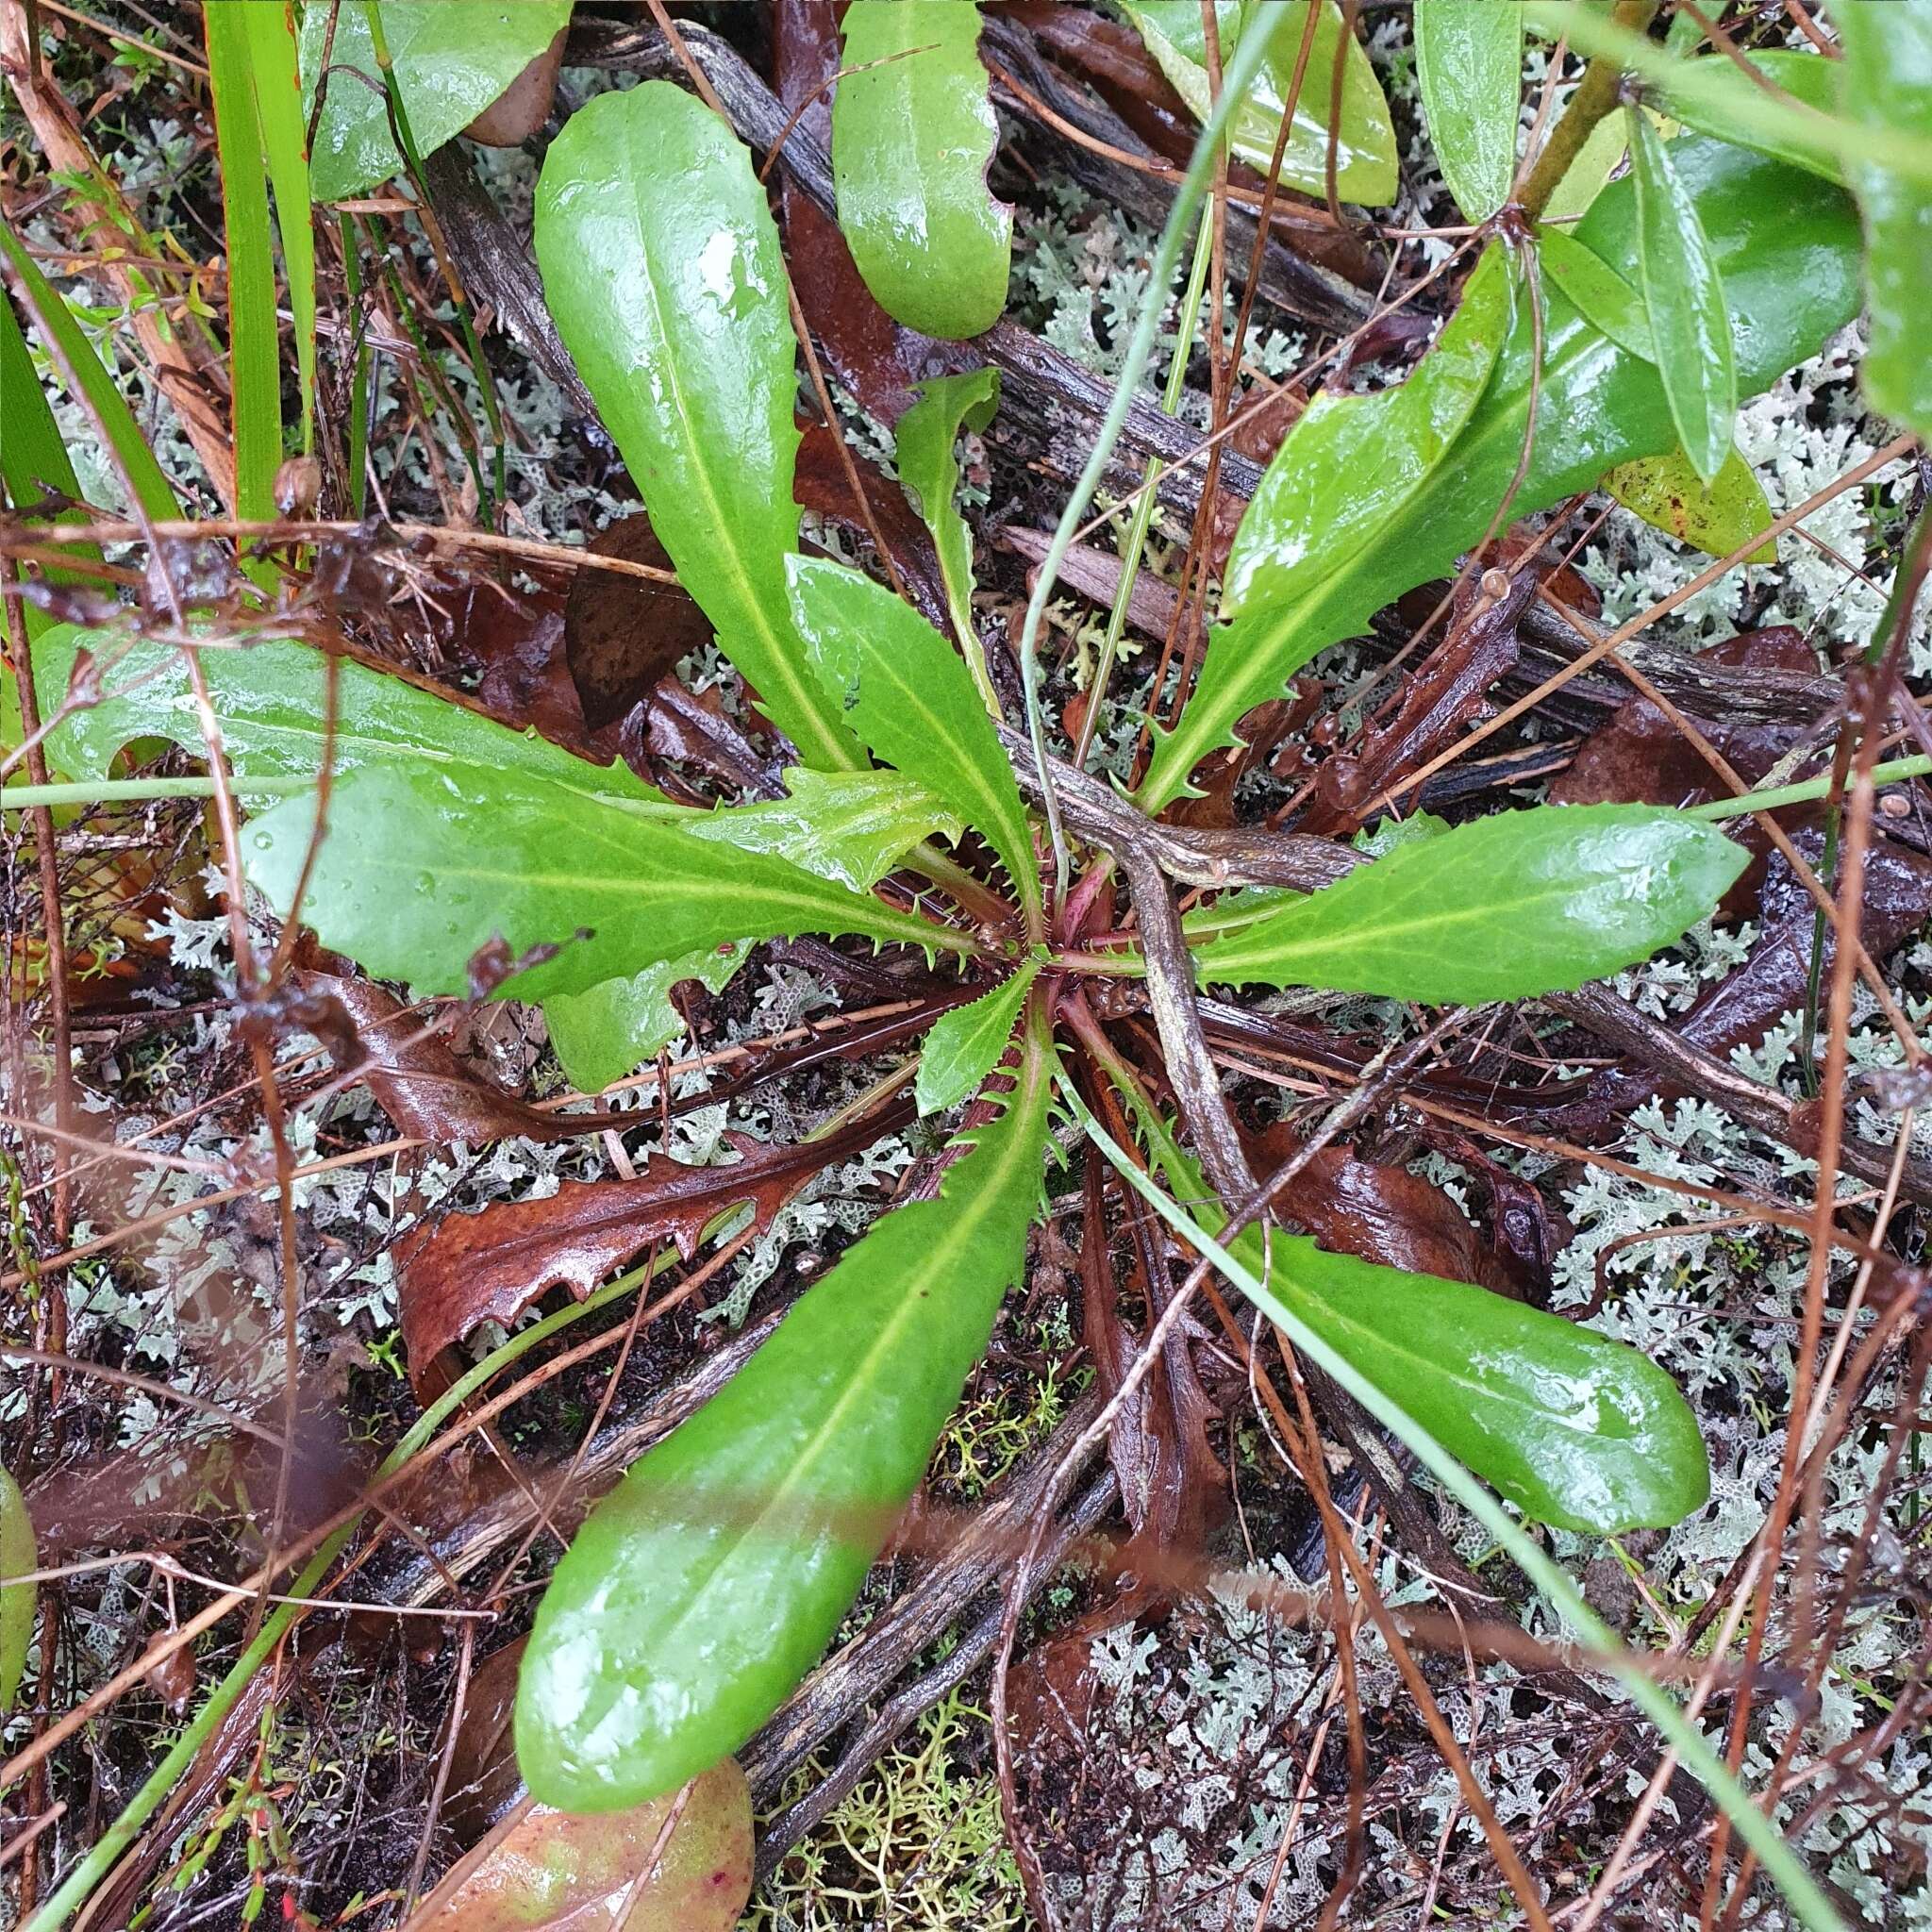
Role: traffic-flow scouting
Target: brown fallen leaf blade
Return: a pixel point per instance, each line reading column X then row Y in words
column 544, row 1871
column 412, row 1071
column 492, row 1265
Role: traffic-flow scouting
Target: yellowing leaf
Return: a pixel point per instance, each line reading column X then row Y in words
column 1716, row 516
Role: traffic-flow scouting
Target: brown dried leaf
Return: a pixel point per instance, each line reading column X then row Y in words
column 553, row 1873
column 821, row 485
column 1382, row 1214
column 622, row 634
column 1643, row 759
column 492, row 1265
column 410, row 1068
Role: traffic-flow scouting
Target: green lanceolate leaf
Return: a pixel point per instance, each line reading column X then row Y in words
column 105, row 402
column 930, row 472
column 608, row 1029
column 1343, row 474
column 1711, row 95
column 913, row 135
column 1716, row 516
column 1351, row 461
column 850, row 827
column 1468, row 60
column 1575, row 1429
column 419, row 872
column 1365, row 151
column 906, row 693
column 1886, row 86
column 1684, row 295
column 1596, row 291
column 16, row 1599
column 965, row 1044
column 271, row 701
column 707, row 1583
column 1500, row 909
column 1600, row 405
column 661, row 267
column 452, row 58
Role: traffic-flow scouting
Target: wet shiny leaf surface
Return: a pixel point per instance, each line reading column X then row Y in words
column 1575, row 1429
column 1683, row 294
column 1365, row 156
column 453, row 58
column 661, row 267
column 708, row 1583
column 1500, row 908
column 1468, row 60
column 1787, row 245
column 912, row 136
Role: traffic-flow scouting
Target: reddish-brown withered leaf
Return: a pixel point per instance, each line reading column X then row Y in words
column 546, row 1871
column 491, row 1266
column 623, row 633
column 409, row 1067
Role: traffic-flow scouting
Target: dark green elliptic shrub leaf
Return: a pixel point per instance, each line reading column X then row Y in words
column 913, row 135
column 1684, row 296
column 1500, row 909
column 1600, row 405
column 707, row 1583
column 1468, row 60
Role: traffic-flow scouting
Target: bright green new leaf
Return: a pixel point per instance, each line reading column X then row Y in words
column 1342, row 474
column 275, row 68
column 906, row 693
column 965, row 1044
column 1887, row 87
column 611, row 1029
column 1716, row 516
column 661, row 267
column 930, row 472
column 1595, row 291
column 1469, row 61
column 255, row 361
column 705, row 1585
column 1500, row 908
column 1600, row 405
column 452, row 58
column 17, row 1559
column 420, row 872
column 913, row 131
column 1684, row 295
column 1365, row 168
